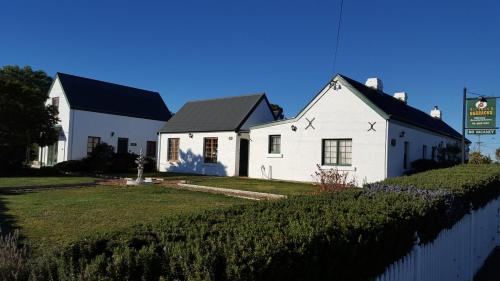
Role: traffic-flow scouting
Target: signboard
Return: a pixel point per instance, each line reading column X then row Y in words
column 481, row 131
column 481, row 116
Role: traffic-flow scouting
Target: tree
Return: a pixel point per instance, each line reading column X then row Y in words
column 477, row 158
column 497, row 154
column 24, row 118
column 277, row 111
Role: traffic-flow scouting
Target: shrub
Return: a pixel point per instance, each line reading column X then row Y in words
column 72, row 166
column 477, row 158
column 104, row 160
column 422, row 165
column 122, row 163
column 150, row 165
column 329, row 180
column 13, row 257
column 324, row 237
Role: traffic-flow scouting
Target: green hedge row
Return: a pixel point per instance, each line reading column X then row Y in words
column 348, row 235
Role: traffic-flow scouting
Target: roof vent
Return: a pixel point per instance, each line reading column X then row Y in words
column 436, row 113
column 402, row 96
column 375, row 83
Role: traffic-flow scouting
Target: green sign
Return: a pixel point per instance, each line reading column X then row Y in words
column 481, row 116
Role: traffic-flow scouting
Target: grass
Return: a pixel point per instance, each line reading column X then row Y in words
column 265, row 186
column 257, row 185
column 56, row 217
column 32, row 181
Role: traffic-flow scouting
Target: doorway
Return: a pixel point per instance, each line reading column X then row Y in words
column 243, row 158
column 122, row 146
column 52, row 154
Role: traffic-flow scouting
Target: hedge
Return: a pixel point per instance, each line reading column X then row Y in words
column 348, row 235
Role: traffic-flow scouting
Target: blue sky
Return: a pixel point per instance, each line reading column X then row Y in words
column 201, row 49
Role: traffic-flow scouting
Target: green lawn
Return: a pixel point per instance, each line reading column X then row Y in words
column 54, row 217
column 266, row 186
column 31, row 181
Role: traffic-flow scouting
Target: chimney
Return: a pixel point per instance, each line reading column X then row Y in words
column 375, row 83
column 436, row 113
column 402, row 96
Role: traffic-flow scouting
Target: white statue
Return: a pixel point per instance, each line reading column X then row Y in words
column 140, row 168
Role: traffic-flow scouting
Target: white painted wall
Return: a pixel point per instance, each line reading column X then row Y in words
column 191, row 154
column 261, row 114
column 65, row 122
column 416, row 138
column 86, row 123
column 337, row 114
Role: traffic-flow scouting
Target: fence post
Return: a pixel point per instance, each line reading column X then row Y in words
column 472, row 243
column 417, row 274
column 498, row 222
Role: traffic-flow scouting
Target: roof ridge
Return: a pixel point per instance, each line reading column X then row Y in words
column 388, row 95
column 106, row 82
column 226, row 98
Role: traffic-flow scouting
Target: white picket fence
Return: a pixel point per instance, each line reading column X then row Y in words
column 456, row 254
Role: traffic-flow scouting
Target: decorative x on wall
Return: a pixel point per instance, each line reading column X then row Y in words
column 310, row 123
column 372, row 128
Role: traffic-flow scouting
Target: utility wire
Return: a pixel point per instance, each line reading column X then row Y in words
column 338, row 36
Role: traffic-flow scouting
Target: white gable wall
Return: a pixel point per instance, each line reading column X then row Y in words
column 338, row 114
column 191, row 154
column 417, row 138
column 64, row 121
column 86, row 123
column 261, row 114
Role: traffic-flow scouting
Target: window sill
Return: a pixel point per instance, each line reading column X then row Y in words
column 348, row 168
column 210, row 164
column 274, row 155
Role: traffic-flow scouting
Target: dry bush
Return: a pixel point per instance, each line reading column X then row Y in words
column 12, row 257
column 332, row 180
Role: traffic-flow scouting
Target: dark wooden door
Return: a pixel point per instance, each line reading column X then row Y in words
column 243, row 158
column 122, row 146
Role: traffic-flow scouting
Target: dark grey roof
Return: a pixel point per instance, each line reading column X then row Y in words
column 397, row 110
column 98, row 96
column 222, row 114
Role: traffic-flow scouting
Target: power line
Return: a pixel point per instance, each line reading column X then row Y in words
column 338, row 36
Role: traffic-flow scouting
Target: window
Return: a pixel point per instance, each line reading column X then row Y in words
column 92, row 142
column 55, row 102
column 337, row 152
column 122, row 146
column 433, row 155
column 151, row 149
column 173, row 149
column 274, row 144
column 210, row 150
column 424, row 152
column 405, row 155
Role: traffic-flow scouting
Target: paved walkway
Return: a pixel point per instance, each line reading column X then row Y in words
column 232, row 192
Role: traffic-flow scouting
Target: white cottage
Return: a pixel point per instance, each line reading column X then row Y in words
column 92, row 111
column 211, row 136
column 351, row 127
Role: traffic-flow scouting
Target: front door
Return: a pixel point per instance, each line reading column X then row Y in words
column 122, row 146
column 243, row 158
column 52, row 154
